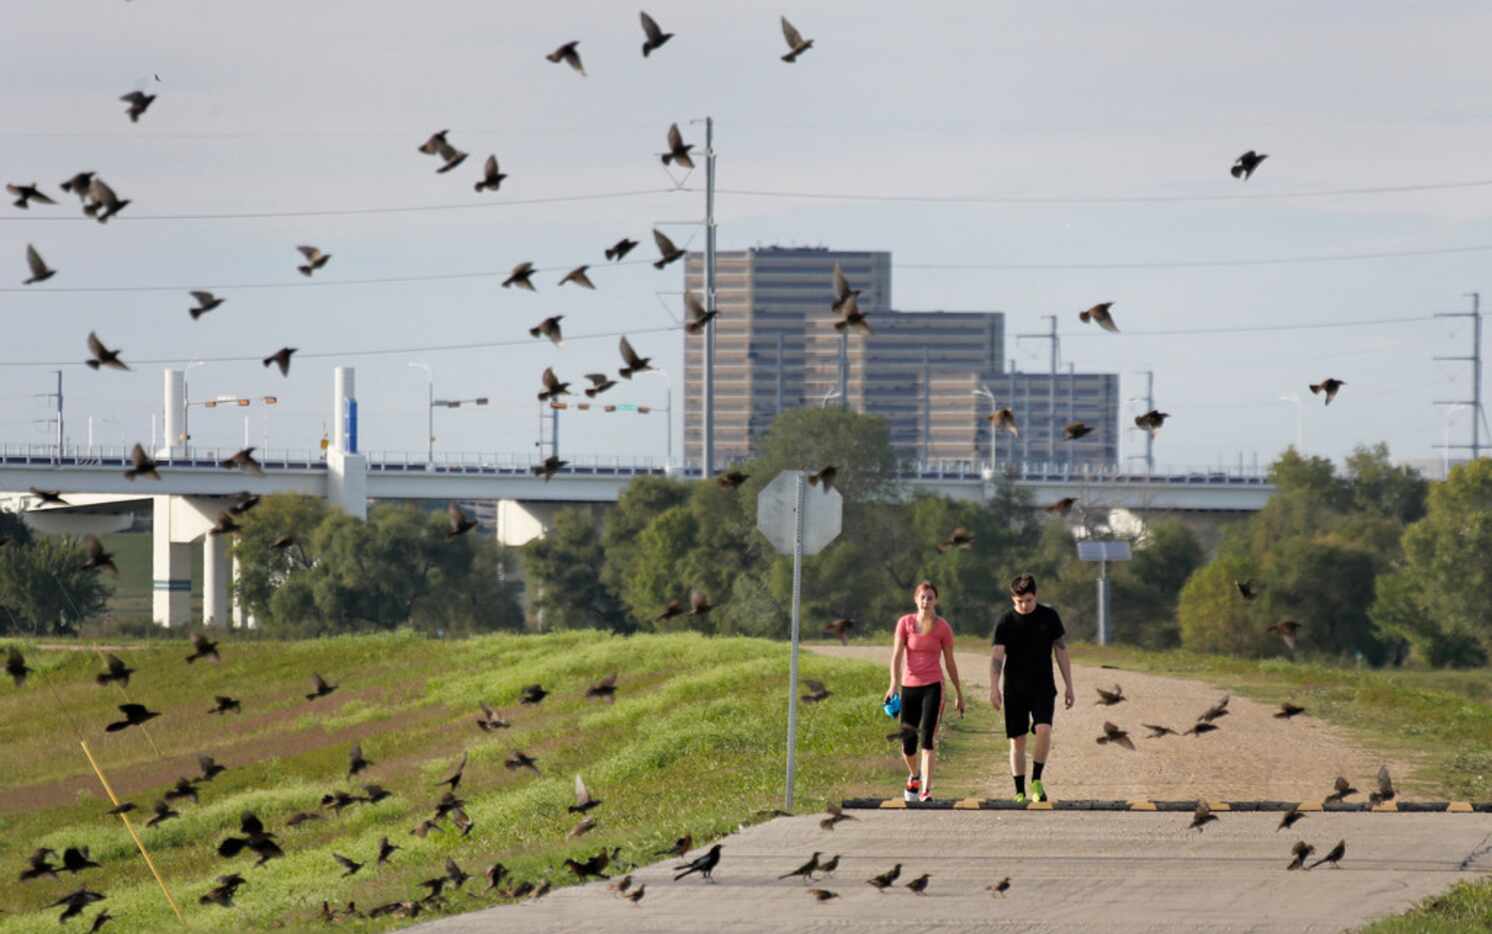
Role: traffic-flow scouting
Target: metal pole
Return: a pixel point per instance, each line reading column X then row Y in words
column 1150, row 435
column 844, row 368
column 668, row 414
column 1103, row 603
column 926, row 409
column 1476, row 378
column 792, row 675
column 779, row 373
column 1072, row 405
column 708, row 465
column 60, row 435
column 429, row 419
column 554, row 431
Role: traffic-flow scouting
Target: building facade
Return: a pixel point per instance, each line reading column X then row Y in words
column 924, row 372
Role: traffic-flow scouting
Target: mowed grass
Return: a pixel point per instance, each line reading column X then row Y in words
column 694, row 743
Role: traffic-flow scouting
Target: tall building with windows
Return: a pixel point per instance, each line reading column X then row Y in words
column 924, row 372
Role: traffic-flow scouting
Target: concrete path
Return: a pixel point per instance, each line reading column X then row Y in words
column 1116, row 873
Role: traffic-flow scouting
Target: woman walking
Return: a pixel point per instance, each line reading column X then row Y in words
column 922, row 646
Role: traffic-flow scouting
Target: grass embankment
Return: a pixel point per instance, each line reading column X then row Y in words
column 694, row 743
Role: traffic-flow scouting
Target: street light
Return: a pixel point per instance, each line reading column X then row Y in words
column 668, row 412
column 831, row 394
column 429, row 413
column 186, row 409
column 983, row 391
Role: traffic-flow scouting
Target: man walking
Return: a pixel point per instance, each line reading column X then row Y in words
column 1021, row 676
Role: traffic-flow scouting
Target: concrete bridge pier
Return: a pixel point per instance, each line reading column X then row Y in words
column 217, row 580
column 179, row 523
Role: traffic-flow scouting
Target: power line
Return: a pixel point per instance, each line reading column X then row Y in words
column 1203, row 263
column 381, row 352
column 353, row 212
column 1260, row 328
column 1104, row 199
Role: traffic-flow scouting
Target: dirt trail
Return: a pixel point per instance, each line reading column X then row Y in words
column 1251, row 755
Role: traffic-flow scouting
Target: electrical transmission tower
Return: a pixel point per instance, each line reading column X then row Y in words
column 1478, row 414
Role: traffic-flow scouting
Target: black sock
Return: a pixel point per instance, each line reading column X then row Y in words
column 1020, row 784
column 1036, row 770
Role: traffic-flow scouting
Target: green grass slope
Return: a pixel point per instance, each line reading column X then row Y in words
column 694, row 743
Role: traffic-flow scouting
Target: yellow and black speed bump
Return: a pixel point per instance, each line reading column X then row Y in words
column 1119, row 804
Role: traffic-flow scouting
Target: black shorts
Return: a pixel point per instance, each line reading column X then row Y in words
column 920, row 707
column 1025, row 709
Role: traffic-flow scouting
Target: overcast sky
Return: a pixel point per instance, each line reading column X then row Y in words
column 277, row 106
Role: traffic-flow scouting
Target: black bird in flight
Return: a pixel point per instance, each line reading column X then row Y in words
column 163, row 813
column 356, row 762
column 139, row 102
column 551, row 466
column 117, row 671
column 101, row 356
column 1288, row 710
column 454, row 779
column 203, row 647
column 521, row 276
column 450, row 156
column 823, row 895
column 1072, row 431
column 40, row 271
column 1287, row 630
column 634, row 363
column 532, row 694
column 206, row 301
column 492, row 179
column 98, row 559
column 281, row 358
column 141, row 465
column 1109, row 698
column 550, row 328
column 1329, row 387
column 489, row 720
column 348, row 865
column 1200, row 727
column 1244, row 165
column 1001, row 887
column 836, row 815
column 619, row 250
column 1099, row 315
column 76, row 901
column 1291, row 817
column 667, row 252
column 102, row 203
column 600, row 382
column 134, row 715
column 824, row 477
column 322, row 688
column 244, row 460
column 1201, row 817
column 521, row 760
column 796, row 44
column 1157, row 731
column 255, row 839
column 578, row 276
column 1385, row 790
column 1113, row 734
column 385, row 850
column 460, row 522
column 315, row 259
column 1152, row 420
column 569, row 53
column 655, row 36
column 15, row 666
column 25, row 194
column 1341, row 788
column 1248, row 590
column 678, row 151
column 39, row 865
column 210, row 768
column 605, row 689
column 817, row 691
column 1301, row 851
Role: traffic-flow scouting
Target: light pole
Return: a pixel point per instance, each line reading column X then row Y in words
column 186, row 409
column 429, row 413
column 667, row 412
column 994, row 405
column 1299, row 420
column 831, row 394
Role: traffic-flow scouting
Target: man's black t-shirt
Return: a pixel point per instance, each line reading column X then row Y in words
column 1028, row 642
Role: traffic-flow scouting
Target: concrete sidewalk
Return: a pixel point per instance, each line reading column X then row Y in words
column 1070, row 871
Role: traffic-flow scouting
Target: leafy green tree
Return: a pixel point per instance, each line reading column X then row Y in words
column 263, row 569
column 1214, row 618
column 643, row 500
column 1316, row 476
column 44, row 589
column 564, row 570
column 858, row 446
column 1440, row 599
column 1378, row 487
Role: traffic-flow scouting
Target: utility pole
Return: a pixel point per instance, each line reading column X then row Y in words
column 58, row 418
column 1478, row 415
column 780, row 374
column 1056, row 354
column 1072, row 404
column 707, row 467
column 1149, row 435
column 926, row 408
column 844, row 369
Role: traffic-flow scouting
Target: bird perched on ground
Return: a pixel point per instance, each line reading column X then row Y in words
column 141, row 465
column 243, row 460
column 886, row 879
column 620, row 886
column 1200, row 727
column 281, row 358
column 796, row 44
column 203, row 647
column 584, row 869
column 698, row 316
column 1109, row 698
column 1072, row 431
column 600, row 382
column 1157, row 731
column 550, row 328
column 492, row 179
column 521, row 276
column 1341, row 788
column 139, row 102
column 919, row 884
column 98, row 559
column 1244, row 165
column 583, row 800
column 1113, row 734
column 836, row 815
column 1290, row 818
column 823, row 895
column 824, row 477
column 1385, row 790
column 163, row 813
column 1201, row 816
column 667, row 252
column 850, row 316
column 1302, row 851
column 320, row 687
column 569, row 53
column 1152, row 420
column 1287, row 630
column 134, row 715
column 102, row 202
column 578, row 276
column 635, row 896
column 117, row 671
column 553, row 386
column 1062, row 506
column 459, row 522
column 25, row 194
column 960, row 538
column 489, row 720
column 1099, row 315
column 680, row 846
column 704, row 865
column 1004, row 420
column 255, row 839
column 1334, row 856
column 816, row 691
column 454, row 779
column 521, row 760
column 551, row 466
column 76, row 901
column 1288, row 710
column 619, row 250
column 1248, row 590
column 840, row 629
column 532, row 694
column 315, row 259
column 605, row 689
column 1329, row 387
column 1001, row 887
column 206, row 301
column 806, row 870
column 634, row 363
column 40, row 272
column 438, row 145
column 678, row 150
column 101, row 356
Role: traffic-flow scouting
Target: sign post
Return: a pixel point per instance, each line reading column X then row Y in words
column 797, row 521
column 1103, row 553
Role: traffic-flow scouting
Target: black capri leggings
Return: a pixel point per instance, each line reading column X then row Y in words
column 919, row 708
